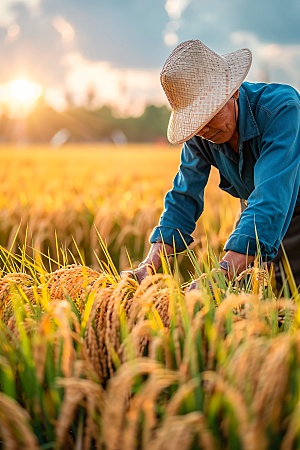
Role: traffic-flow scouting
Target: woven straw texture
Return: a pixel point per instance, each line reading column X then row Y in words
column 198, row 82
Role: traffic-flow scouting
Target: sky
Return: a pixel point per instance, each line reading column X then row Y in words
column 116, row 48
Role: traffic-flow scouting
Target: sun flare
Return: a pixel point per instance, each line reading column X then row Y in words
column 19, row 96
column 22, row 90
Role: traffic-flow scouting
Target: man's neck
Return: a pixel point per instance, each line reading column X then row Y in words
column 234, row 141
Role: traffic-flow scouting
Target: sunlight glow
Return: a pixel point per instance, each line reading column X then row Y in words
column 19, row 97
column 22, row 90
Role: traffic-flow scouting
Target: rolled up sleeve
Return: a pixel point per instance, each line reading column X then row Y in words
column 277, row 181
column 184, row 203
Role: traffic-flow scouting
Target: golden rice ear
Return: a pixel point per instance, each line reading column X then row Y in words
column 198, row 83
column 13, row 417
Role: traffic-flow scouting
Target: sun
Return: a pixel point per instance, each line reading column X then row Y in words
column 22, row 90
column 20, row 97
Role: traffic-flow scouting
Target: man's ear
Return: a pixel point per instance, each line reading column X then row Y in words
column 237, row 94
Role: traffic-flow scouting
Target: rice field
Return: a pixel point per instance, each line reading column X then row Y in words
column 118, row 190
column 92, row 361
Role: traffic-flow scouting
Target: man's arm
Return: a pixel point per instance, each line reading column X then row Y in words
column 183, row 207
column 184, row 203
column 277, row 180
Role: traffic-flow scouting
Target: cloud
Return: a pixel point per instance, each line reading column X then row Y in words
column 127, row 91
column 271, row 61
column 64, row 28
column 174, row 9
column 8, row 15
column 169, row 33
column 171, row 39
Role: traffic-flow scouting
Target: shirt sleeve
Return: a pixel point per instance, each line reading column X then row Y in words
column 276, row 180
column 184, row 203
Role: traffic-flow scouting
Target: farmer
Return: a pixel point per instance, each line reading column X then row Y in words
column 251, row 133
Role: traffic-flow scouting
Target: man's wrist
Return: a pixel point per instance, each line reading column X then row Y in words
column 235, row 263
column 225, row 265
column 149, row 266
column 157, row 251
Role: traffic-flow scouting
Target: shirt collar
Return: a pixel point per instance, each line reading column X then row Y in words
column 248, row 128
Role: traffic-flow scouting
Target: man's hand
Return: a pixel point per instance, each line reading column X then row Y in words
column 140, row 273
column 154, row 255
column 152, row 262
column 237, row 263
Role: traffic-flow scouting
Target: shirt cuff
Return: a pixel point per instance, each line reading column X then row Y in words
column 242, row 243
column 169, row 235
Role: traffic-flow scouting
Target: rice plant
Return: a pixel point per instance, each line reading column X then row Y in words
column 89, row 360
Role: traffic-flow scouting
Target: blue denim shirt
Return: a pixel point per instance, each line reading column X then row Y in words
column 266, row 172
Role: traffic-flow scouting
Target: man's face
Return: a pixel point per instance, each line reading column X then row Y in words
column 222, row 126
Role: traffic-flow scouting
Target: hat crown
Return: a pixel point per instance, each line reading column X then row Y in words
column 192, row 71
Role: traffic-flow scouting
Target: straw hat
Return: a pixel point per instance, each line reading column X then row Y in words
column 198, row 83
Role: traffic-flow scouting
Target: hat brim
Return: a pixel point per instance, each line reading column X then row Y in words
column 186, row 122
